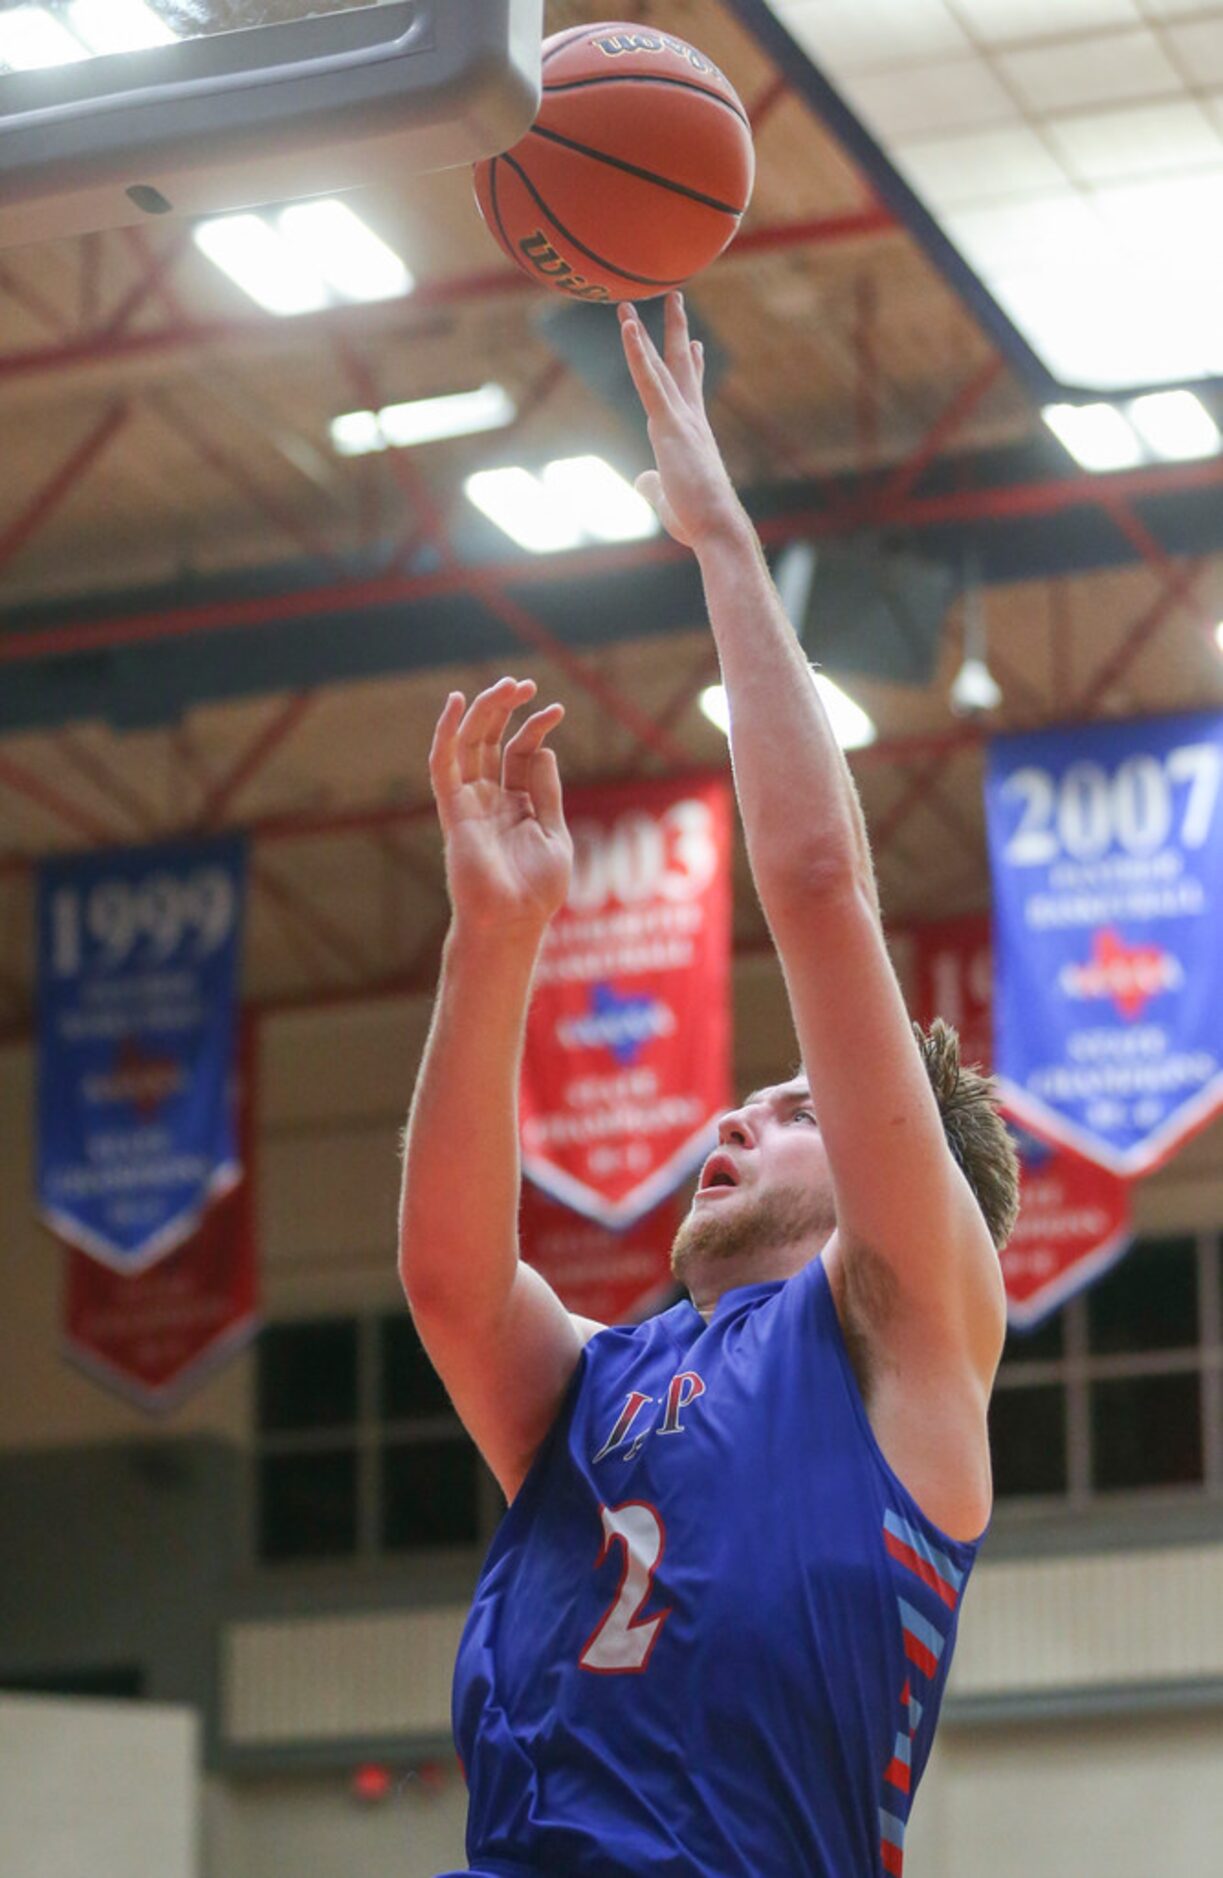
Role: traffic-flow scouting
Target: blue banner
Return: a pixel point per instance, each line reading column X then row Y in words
column 138, row 959
column 1106, row 848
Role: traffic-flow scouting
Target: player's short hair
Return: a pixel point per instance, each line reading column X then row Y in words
column 978, row 1137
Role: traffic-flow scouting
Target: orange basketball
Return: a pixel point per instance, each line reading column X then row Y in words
column 634, row 175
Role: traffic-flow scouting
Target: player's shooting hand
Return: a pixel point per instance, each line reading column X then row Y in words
column 689, row 490
column 508, row 851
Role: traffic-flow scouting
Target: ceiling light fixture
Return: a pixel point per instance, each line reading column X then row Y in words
column 1175, row 426
column 352, row 259
column 573, row 502
column 277, row 277
column 1098, row 436
column 31, row 39
column 423, row 420
column 118, row 25
column 974, row 689
column 851, row 726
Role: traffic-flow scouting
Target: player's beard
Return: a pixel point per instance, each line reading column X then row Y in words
column 777, row 1220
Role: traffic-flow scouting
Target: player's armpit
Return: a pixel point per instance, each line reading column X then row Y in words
column 898, row 1190
column 507, row 1374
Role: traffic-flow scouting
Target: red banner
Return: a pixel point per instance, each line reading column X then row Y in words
column 154, row 1335
column 610, row 1276
column 627, row 1059
column 1074, row 1216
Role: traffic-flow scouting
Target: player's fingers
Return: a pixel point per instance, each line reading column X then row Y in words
column 649, row 374
column 445, row 774
column 680, row 361
column 546, row 792
column 480, row 733
column 523, row 746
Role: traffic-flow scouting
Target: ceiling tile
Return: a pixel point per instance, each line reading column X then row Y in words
column 979, row 166
column 1142, row 140
column 1107, row 330
column 1047, row 232
column 851, row 34
column 1198, row 45
column 921, row 100
column 1014, row 22
column 1091, row 71
column 1169, row 223
column 1180, row 9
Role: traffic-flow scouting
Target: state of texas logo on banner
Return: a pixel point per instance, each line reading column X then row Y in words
column 1074, row 1216
column 1106, row 850
column 138, row 962
column 154, row 1335
column 627, row 1058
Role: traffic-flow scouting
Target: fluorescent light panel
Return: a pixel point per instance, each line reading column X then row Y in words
column 423, row 420
column 1160, row 427
column 117, row 25
column 573, row 502
column 315, row 254
column 851, row 726
column 31, row 38
column 1061, row 149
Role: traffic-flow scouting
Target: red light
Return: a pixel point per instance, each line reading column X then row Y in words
column 371, row 1782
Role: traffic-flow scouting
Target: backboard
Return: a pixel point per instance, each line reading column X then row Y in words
column 115, row 110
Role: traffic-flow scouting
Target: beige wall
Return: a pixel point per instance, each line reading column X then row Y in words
column 1138, row 1797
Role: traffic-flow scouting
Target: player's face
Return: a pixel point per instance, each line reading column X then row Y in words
column 764, row 1205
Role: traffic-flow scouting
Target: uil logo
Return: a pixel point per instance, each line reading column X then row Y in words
column 682, row 1389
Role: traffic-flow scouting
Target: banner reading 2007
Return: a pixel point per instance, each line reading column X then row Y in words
column 137, row 987
column 627, row 1057
column 1106, row 846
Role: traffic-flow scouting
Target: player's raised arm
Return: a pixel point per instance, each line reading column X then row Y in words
column 499, row 1337
column 900, row 1197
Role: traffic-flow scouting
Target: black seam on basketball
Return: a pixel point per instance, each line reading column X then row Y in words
column 495, row 205
column 648, row 78
column 634, row 169
column 575, row 32
column 643, row 280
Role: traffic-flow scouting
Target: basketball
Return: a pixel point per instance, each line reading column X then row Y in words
column 635, row 174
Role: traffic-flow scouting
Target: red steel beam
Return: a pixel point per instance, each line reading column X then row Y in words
column 1179, row 589
column 969, row 505
column 282, row 723
column 55, row 492
column 109, row 347
column 339, row 943
column 81, row 758
column 883, row 504
column 27, row 297
column 44, row 795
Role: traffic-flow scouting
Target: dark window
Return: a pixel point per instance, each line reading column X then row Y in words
column 308, row 1505
column 125, row 1681
column 429, row 1494
column 1147, row 1302
column 1146, row 1432
column 1045, row 1344
column 410, row 1386
column 1028, row 1440
column 308, row 1375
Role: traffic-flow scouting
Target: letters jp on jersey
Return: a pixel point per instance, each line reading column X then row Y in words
column 627, row 1058
column 1074, row 1216
column 138, row 956
column 1106, row 848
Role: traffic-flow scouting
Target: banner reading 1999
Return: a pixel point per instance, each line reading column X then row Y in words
column 137, row 984
column 1106, row 847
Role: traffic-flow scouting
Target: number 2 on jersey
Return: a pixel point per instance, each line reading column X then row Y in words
column 619, row 1644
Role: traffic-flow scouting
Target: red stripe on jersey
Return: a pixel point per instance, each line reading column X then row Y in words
column 920, row 1567
column 893, row 1857
column 918, row 1653
column 897, row 1775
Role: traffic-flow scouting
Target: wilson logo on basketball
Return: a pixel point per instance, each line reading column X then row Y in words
column 617, row 43
column 556, row 270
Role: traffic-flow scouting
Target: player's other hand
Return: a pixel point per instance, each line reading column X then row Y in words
column 689, row 490
column 508, row 851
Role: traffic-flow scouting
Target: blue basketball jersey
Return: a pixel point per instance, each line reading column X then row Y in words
column 711, row 1636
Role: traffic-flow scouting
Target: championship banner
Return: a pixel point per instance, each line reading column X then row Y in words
column 1074, row 1216
column 627, row 1058
column 1106, row 848
column 138, row 958
column 156, row 1335
column 612, row 1277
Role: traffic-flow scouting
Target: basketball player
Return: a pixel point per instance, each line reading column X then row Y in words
column 714, row 1627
